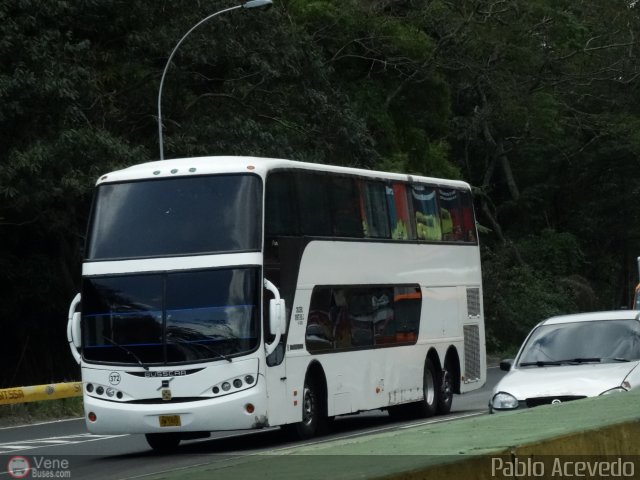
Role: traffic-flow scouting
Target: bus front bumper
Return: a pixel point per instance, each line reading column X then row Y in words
column 238, row 411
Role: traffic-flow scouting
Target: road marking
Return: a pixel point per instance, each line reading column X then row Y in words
column 13, row 447
column 440, row 420
column 377, row 430
column 11, row 427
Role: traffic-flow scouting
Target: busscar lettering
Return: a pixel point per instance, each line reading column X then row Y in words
column 174, row 373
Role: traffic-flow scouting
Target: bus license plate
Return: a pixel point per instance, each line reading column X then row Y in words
column 170, row 421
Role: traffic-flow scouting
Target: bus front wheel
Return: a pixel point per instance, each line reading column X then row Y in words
column 311, row 411
column 163, row 442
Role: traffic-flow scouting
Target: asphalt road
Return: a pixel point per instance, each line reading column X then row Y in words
column 71, row 452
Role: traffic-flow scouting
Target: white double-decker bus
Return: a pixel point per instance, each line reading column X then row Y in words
column 228, row 293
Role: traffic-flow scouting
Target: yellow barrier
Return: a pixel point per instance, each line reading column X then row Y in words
column 38, row 393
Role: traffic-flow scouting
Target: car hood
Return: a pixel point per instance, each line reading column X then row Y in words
column 588, row 379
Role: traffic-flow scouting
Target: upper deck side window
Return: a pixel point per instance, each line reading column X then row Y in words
column 320, row 204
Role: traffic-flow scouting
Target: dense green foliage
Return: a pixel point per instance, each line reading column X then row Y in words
column 534, row 102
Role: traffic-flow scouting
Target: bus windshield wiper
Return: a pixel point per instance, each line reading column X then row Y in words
column 128, row 352
column 199, row 343
column 215, row 352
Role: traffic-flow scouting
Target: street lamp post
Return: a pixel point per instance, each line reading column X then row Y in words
column 247, row 5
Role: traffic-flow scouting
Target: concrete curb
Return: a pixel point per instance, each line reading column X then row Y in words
column 549, row 459
column 603, row 429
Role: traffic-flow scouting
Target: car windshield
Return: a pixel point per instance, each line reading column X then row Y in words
column 582, row 342
column 176, row 216
column 174, row 317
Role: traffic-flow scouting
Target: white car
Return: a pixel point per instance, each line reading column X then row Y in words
column 570, row 357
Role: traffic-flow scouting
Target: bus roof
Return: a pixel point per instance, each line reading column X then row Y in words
column 235, row 164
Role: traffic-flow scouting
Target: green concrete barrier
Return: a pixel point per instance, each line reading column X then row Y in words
column 38, row 393
column 595, row 433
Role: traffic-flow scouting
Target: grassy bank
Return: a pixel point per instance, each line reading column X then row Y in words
column 24, row 413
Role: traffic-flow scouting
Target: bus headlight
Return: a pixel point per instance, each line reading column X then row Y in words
column 233, row 385
column 504, row 401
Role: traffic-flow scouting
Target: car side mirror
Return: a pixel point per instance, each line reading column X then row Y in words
column 505, row 365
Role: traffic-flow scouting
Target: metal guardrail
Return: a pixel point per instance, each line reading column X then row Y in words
column 37, row 393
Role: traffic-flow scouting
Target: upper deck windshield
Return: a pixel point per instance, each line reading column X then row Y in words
column 176, row 216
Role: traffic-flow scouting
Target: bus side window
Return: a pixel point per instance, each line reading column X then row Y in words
column 360, row 317
column 375, row 220
column 451, row 216
column 468, row 225
column 384, row 321
column 407, row 304
column 399, row 216
column 341, row 319
column 280, row 212
column 320, row 330
column 314, row 204
column 345, row 207
column 425, row 205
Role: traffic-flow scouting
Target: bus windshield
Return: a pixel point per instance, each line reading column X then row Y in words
column 175, row 317
column 176, row 216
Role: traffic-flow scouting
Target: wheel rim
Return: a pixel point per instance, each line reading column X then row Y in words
column 447, row 388
column 308, row 407
column 429, row 387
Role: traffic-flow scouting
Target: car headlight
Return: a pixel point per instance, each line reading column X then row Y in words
column 614, row 390
column 504, row 401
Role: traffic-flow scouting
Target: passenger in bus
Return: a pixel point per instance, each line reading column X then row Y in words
column 428, row 227
column 447, row 225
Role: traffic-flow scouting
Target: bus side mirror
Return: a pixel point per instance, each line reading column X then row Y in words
column 73, row 328
column 277, row 320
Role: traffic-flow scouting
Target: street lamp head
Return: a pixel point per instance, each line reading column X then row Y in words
column 258, row 4
column 250, row 4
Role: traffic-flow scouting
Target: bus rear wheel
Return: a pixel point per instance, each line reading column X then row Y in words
column 445, row 392
column 428, row 406
column 163, row 442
